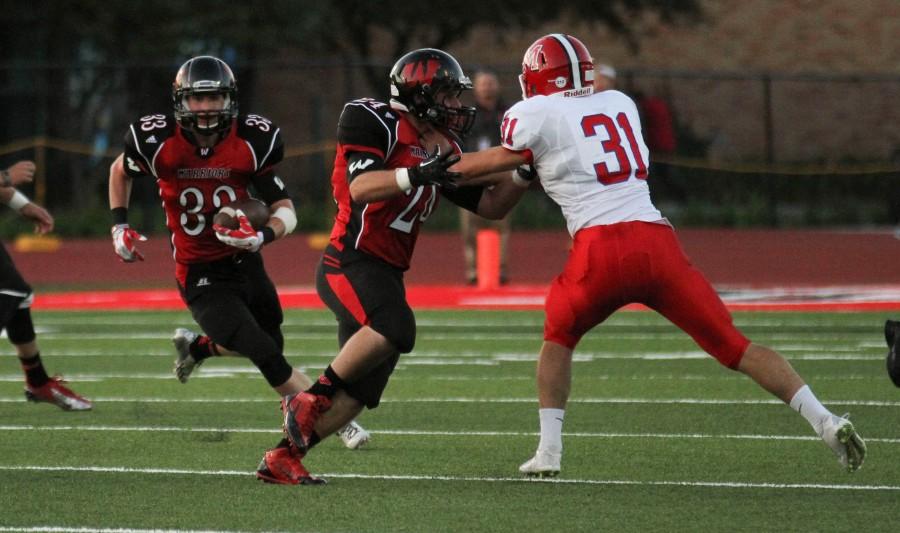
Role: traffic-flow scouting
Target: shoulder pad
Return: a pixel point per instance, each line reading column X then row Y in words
column 147, row 134
column 264, row 138
column 370, row 123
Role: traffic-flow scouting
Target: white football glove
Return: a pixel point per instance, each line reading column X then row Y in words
column 124, row 238
column 244, row 237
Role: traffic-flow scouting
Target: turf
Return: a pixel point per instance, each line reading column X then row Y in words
column 658, row 436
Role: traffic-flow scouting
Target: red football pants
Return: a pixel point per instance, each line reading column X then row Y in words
column 638, row 262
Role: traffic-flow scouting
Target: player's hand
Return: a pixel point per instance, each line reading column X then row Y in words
column 433, row 170
column 43, row 220
column 21, row 172
column 124, row 238
column 244, row 237
column 524, row 175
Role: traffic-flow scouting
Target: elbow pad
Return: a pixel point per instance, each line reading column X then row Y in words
column 287, row 217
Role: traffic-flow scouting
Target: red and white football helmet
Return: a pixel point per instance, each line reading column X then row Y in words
column 557, row 63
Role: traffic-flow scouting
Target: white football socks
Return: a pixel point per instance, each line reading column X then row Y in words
column 806, row 403
column 551, row 429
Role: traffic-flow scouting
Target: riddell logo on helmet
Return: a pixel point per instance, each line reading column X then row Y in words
column 421, row 71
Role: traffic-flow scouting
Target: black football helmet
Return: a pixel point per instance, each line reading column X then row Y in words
column 205, row 75
column 418, row 77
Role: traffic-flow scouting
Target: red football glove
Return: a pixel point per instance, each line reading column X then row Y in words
column 124, row 238
column 244, row 237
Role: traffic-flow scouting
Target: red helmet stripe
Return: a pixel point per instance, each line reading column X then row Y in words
column 573, row 58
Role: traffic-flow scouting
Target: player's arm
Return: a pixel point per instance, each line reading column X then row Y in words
column 366, row 135
column 283, row 216
column 43, row 221
column 119, row 185
column 493, row 160
column 376, row 185
column 124, row 237
column 17, row 174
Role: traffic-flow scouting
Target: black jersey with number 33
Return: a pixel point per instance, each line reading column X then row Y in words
column 386, row 229
column 195, row 182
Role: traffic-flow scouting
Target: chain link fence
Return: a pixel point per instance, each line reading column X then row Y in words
column 750, row 149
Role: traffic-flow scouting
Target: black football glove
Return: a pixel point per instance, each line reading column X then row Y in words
column 433, row 170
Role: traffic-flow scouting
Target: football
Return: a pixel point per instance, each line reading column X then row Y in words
column 257, row 212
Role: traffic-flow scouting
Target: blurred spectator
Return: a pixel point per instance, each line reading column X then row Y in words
column 659, row 133
column 659, row 126
column 484, row 134
column 604, row 77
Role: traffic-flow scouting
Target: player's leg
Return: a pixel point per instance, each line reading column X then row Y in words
column 576, row 303
column 688, row 300
column 370, row 296
column 503, row 226
column 219, row 306
column 15, row 316
column 467, row 232
column 892, row 337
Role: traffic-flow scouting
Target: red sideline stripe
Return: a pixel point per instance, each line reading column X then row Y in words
column 420, row 297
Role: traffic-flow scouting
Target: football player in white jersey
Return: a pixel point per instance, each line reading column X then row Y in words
column 587, row 151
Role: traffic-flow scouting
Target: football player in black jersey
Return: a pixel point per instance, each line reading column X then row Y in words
column 16, row 297
column 203, row 156
column 389, row 175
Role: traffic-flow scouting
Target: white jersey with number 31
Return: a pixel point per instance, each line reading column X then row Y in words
column 589, row 154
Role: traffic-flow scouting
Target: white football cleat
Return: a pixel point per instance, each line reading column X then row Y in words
column 185, row 362
column 354, row 436
column 543, row 464
column 840, row 435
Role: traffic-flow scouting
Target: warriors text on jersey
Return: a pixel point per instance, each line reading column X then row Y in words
column 373, row 136
column 195, row 182
column 589, row 154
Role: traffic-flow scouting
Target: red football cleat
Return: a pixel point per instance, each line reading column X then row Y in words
column 300, row 414
column 56, row 393
column 283, row 467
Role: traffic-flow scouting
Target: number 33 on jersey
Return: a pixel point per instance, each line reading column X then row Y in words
column 194, row 182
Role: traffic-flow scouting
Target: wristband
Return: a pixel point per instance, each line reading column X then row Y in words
column 120, row 215
column 518, row 180
column 268, row 235
column 18, row 201
column 402, row 176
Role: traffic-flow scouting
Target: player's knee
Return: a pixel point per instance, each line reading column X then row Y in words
column 262, row 350
column 728, row 352
column 19, row 328
column 13, row 304
column 399, row 328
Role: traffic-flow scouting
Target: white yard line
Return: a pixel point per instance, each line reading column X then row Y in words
column 88, row 529
column 411, row 477
column 429, row 433
column 655, row 401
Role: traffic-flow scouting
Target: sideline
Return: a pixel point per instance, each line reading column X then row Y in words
column 512, row 297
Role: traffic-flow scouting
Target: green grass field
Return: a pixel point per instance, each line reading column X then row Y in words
column 658, row 436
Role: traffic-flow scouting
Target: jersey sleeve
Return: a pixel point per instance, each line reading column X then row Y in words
column 367, row 126
column 269, row 187
column 465, row 197
column 520, row 128
column 143, row 140
column 264, row 139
